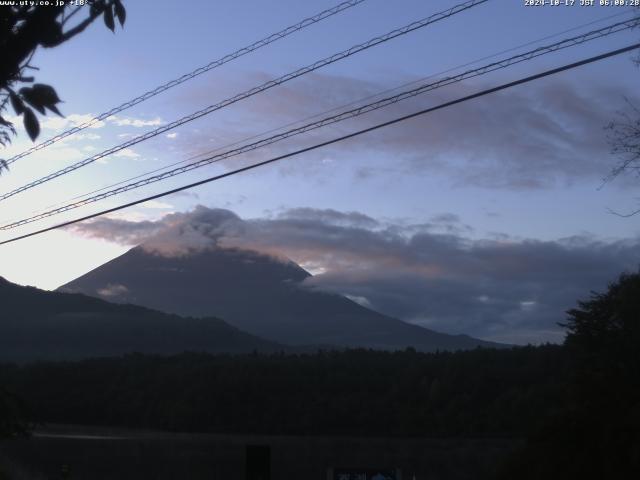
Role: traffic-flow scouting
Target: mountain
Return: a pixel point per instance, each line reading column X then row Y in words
column 258, row 294
column 41, row 325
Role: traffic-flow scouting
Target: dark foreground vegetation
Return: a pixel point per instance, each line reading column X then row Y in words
column 577, row 404
column 358, row 392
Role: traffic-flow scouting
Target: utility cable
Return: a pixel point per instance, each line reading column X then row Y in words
column 385, row 102
column 335, row 140
column 188, row 76
column 261, row 88
column 325, row 112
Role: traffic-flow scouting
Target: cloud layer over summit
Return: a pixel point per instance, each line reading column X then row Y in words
column 432, row 274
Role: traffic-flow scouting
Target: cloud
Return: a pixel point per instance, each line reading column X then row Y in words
column 548, row 134
column 329, row 216
column 112, row 291
column 173, row 235
column 86, row 136
column 59, row 124
column 69, row 121
column 134, row 122
column 360, row 300
column 185, row 194
column 127, row 153
column 155, row 204
column 126, row 232
column 172, row 135
column 500, row 289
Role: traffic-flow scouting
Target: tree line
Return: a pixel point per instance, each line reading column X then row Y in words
column 354, row 392
column 577, row 404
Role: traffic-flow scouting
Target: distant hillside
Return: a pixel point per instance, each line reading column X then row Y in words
column 257, row 294
column 40, row 325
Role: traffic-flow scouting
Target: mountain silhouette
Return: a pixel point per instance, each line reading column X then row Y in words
column 41, row 325
column 257, row 293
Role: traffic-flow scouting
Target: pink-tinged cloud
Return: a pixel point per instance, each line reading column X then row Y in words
column 548, row 134
column 502, row 289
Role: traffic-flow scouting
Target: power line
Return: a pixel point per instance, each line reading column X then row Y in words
column 188, row 76
column 334, row 109
column 385, row 102
column 265, row 86
column 336, row 140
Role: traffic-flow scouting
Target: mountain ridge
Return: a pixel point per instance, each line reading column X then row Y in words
column 43, row 325
column 257, row 293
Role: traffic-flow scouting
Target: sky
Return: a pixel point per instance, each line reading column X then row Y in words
column 489, row 218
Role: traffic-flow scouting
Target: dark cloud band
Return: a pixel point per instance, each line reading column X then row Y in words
column 431, row 274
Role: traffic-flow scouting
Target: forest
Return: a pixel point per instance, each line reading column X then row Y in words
column 576, row 404
column 355, row 392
